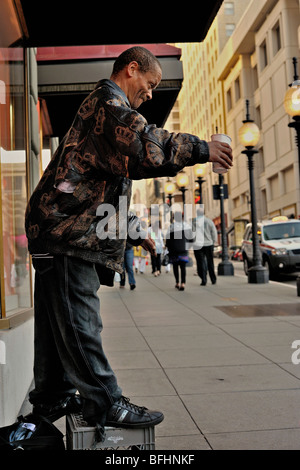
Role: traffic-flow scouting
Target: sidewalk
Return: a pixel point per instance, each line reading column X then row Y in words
column 215, row 359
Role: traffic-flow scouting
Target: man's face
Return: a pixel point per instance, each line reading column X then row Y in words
column 141, row 85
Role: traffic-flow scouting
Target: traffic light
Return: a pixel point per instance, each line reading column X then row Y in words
column 197, row 196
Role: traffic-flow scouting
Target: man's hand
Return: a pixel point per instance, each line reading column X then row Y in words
column 221, row 153
column 149, row 245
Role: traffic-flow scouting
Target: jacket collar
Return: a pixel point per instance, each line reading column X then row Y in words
column 114, row 88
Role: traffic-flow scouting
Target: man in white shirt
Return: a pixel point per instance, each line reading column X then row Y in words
column 204, row 251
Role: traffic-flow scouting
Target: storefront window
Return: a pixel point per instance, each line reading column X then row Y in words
column 15, row 274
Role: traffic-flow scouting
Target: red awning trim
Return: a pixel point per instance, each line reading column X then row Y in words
column 100, row 52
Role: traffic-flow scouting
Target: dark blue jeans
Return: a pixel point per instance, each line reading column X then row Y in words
column 68, row 349
column 128, row 267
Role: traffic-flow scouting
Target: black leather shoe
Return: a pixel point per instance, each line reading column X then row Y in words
column 55, row 411
column 124, row 414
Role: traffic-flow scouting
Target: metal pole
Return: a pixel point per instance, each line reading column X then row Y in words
column 183, row 190
column 296, row 125
column 225, row 268
column 255, row 240
column 257, row 274
column 295, row 69
column 170, row 206
column 200, row 181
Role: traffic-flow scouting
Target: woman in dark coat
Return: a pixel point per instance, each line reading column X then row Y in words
column 177, row 239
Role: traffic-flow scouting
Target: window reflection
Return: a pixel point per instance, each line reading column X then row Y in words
column 13, row 243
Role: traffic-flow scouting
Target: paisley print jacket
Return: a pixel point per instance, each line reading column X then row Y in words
column 108, row 145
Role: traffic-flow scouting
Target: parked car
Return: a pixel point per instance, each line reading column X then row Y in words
column 279, row 243
column 218, row 251
column 234, row 252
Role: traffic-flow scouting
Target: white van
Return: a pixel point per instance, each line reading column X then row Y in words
column 279, row 242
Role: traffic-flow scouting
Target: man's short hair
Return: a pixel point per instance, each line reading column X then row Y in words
column 146, row 60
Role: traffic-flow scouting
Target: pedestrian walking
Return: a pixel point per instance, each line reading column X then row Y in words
column 156, row 235
column 204, row 249
column 77, row 226
column 179, row 235
column 128, row 268
column 166, row 260
column 136, row 257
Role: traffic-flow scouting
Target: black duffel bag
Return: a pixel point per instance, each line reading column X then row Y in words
column 32, row 432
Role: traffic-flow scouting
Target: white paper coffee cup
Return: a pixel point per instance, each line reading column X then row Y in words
column 217, row 167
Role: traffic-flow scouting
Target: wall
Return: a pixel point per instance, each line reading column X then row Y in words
column 17, row 324
column 16, row 372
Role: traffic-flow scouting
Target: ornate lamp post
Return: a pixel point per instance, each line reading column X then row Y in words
column 182, row 181
column 292, row 107
column 200, row 172
column 225, row 268
column 249, row 136
column 169, row 189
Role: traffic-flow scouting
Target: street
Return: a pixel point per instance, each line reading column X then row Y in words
column 288, row 279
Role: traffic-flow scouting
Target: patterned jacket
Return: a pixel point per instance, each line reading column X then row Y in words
column 108, row 145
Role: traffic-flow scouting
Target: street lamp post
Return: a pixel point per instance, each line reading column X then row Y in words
column 199, row 172
column 182, row 181
column 225, row 268
column 292, row 107
column 169, row 189
column 249, row 136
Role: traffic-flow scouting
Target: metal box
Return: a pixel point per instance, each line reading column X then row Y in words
column 81, row 436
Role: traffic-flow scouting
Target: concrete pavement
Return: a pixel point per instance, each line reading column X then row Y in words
column 217, row 360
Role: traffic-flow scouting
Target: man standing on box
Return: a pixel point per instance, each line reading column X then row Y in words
column 77, row 234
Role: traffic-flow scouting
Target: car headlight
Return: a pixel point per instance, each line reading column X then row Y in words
column 279, row 251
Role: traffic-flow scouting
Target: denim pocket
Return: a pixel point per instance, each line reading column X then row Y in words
column 42, row 264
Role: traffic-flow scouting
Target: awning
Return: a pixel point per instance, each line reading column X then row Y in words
column 54, row 23
column 95, row 22
column 67, row 74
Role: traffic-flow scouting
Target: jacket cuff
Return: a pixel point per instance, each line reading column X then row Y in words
column 202, row 150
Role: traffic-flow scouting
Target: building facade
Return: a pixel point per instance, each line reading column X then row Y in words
column 247, row 55
column 200, row 106
column 258, row 57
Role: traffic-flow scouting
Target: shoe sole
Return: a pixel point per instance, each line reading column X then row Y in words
column 147, row 424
